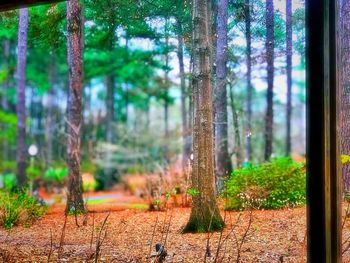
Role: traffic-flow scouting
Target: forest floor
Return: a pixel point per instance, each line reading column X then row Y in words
column 258, row 236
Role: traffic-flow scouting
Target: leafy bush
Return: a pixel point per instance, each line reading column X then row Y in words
column 56, row 174
column 272, row 185
column 7, row 166
column 19, row 208
column 33, row 172
column 9, row 181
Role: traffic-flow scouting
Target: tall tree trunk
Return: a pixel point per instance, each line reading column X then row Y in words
column 75, row 200
column 110, row 86
column 21, row 150
column 289, row 49
column 186, row 148
column 270, row 78
column 223, row 159
column 248, row 37
column 50, row 112
column 238, row 147
column 344, row 56
column 110, row 83
column 166, row 98
column 6, row 48
column 4, row 101
column 205, row 215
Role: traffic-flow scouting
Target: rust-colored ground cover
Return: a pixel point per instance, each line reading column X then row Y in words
column 274, row 236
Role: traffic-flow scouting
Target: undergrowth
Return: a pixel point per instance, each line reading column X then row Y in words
column 271, row 185
column 19, row 209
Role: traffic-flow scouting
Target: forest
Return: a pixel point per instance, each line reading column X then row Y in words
column 159, row 131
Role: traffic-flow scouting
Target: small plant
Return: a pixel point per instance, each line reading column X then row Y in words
column 33, row 172
column 9, row 181
column 193, row 192
column 272, row 185
column 19, row 208
column 56, row 174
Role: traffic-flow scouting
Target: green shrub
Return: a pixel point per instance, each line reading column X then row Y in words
column 19, row 208
column 33, row 172
column 272, row 185
column 56, row 174
column 9, row 181
column 7, row 166
column 90, row 185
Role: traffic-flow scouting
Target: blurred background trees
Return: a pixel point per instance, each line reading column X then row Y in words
column 136, row 89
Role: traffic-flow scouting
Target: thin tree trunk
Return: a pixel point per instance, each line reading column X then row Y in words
column 50, row 111
column 110, row 86
column 166, row 99
column 4, row 101
column 248, row 37
column 205, row 215
column 345, row 89
column 75, row 200
column 238, row 145
column 110, row 83
column 270, row 78
column 6, row 47
column 223, row 159
column 21, row 150
column 186, row 148
column 289, row 49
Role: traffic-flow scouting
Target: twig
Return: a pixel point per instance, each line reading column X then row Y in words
column 245, row 235
column 60, row 248
column 93, row 229
column 168, row 228
column 220, row 237
column 153, row 234
column 207, row 247
column 51, row 246
column 99, row 241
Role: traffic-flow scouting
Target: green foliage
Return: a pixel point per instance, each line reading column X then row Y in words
column 19, row 208
column 8, row 123
column 33, row 172
column 56, row 174
column 90, row 185
column 272, row 185
column 193, row 192
column 9, row 181
column 7, row 166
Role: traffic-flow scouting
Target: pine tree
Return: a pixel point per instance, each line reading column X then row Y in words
column 223, row 159
column 75, row 202
column 205, row 215
column 289, row 51
column 270, row 78
column 21, row 150
column 344, row 41
column 249, row 80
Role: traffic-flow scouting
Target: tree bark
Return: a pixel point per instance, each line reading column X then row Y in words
column 289, row 51
column 223, row 159
column 110, row 86
column 238, row 147
column 50, row 112
column 110, row 83
column 205, row 215
column 186, row 147
column 75, row 202
column 248, row 37
column 21, row 150
column 4, row 101
column 345, row 89
column 166, row 99
column 270, row 78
